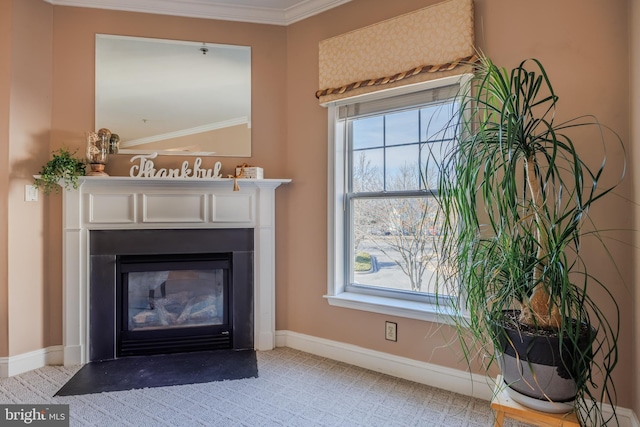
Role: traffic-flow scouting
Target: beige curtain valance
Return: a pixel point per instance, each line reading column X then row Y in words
column 430, row 43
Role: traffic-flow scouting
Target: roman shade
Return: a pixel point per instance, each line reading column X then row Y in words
column 430, row 43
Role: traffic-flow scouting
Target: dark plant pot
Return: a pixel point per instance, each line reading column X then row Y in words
column 540, row 368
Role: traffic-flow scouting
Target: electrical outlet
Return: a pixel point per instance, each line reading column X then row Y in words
column 391, row 331
column 30, row 193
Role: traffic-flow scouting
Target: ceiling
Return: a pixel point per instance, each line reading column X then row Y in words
column 276, row 12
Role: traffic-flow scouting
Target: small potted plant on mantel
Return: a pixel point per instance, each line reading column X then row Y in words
column 515, row 193
column 62, row 170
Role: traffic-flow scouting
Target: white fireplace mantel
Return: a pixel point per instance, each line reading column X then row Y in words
column 123, row 203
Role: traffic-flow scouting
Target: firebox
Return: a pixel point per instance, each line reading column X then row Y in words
column 168, row 291
column 172, row 303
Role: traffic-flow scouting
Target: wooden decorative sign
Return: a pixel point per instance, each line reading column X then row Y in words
column 146, row 169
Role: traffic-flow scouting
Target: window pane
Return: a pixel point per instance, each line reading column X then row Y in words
column 394, row 243
column 402, row 128
column 436, row 122
column 368, row 132
column 402, row 168
column 368, row 170
column 431, row 156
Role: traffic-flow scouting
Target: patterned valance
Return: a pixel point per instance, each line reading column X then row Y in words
column 433, row 42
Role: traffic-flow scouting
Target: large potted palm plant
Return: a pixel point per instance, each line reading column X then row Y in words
column 515, row 194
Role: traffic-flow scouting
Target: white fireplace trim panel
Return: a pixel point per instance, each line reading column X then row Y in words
column 124, row 203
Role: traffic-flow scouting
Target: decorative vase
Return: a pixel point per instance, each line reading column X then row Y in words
column 97, row 152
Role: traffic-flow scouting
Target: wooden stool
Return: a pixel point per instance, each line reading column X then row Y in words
column 506, row 407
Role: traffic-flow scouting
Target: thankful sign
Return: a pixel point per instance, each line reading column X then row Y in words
column 146, row 169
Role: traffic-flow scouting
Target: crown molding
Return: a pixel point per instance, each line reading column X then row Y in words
column 186, row 132
column 308, row 8
column 212, row 10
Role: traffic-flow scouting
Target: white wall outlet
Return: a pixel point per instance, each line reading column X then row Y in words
column 30, row 193
column 391, row 331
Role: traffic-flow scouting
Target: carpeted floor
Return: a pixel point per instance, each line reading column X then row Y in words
column 293, row 389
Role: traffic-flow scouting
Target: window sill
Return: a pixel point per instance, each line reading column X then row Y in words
column 392, row 307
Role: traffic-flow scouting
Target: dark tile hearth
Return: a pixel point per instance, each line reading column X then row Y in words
column 161, row 370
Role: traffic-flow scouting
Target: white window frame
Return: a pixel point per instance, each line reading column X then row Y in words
column 337, row 294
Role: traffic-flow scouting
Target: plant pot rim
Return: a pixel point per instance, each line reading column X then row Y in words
column 525, row 330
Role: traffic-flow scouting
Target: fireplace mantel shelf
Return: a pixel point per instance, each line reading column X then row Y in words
column 265, row 181
column 126, row 203
column 189, row 180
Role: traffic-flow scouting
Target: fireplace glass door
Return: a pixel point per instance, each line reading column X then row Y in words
column 171, row 304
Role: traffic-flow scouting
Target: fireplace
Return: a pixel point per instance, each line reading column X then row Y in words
column 110, row 217
column 166, row 291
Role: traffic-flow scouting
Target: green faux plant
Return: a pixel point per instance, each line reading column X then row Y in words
column 62, row 170
column 515, row 192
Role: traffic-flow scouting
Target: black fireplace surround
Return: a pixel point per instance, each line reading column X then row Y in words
column 109, row 247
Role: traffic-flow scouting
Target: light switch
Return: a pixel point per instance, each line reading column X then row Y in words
column 30, row 193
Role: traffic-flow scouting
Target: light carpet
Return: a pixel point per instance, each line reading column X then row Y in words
column 293, row 389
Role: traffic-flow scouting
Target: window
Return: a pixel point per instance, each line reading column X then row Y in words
column 385, row 152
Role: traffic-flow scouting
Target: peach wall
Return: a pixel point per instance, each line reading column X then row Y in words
column 634, row 113
column 29, row 124
column 6, row 7
column 74, row 39
column 580, row 61
column 304, row 270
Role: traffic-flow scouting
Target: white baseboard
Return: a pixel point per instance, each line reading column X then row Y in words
column 627, row 417
column 14, row 365
column 449, row 379
column 438, row 376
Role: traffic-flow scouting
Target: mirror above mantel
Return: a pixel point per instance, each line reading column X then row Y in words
column 174, row 97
